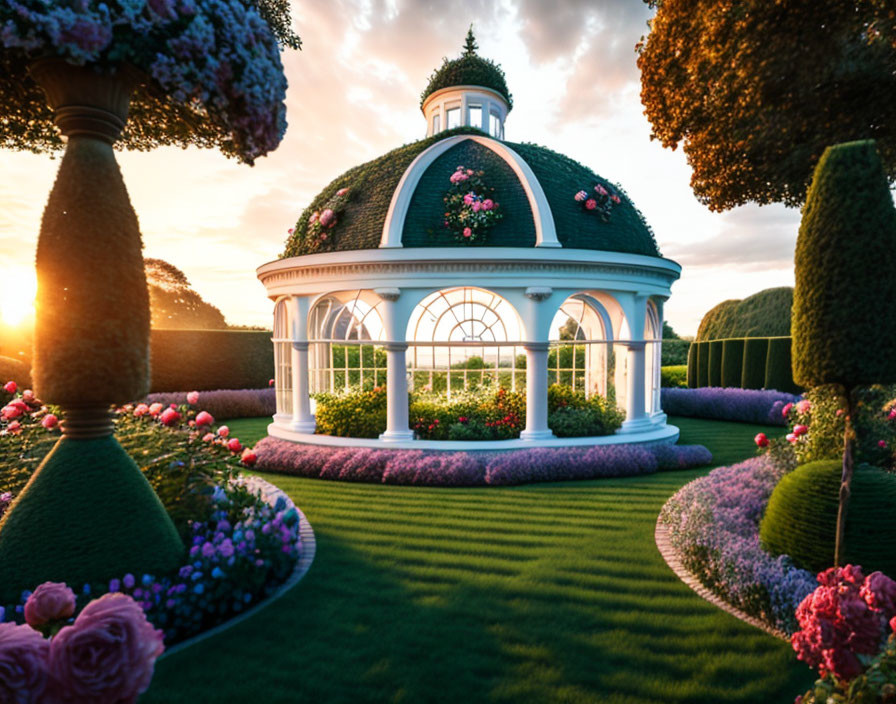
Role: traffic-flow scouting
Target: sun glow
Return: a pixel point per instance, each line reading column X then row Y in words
column 17, row 298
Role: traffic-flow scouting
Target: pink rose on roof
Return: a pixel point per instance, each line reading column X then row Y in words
column 342, row 191
column 328, row 218
column 616, row 199
column 204, row 418
column 108, row 655
column 591, row 204
column 468, row 199
column 193, row 398
column 51, row 601
column 290, row 230
column 313, row 219
column 468, row 232
column 23, row 664
column 581, row 196
column 488, row 204
column 477, row 206
column 10, row 387
column 600, row 189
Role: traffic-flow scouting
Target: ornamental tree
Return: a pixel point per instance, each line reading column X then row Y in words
column 142, row 73
column 755, row 91
column 845, row 259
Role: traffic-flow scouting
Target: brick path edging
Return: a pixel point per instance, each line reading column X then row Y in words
column 661, row 536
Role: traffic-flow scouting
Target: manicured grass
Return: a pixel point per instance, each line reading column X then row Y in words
column 248, row 430
column 539, row 593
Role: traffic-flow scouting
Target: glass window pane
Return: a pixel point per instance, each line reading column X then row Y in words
column 495, row 126
column 476, row 116
column 435, row 124
column 453, row 118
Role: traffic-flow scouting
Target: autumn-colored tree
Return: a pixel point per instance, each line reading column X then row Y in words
column 173, row 303
column 754, row 91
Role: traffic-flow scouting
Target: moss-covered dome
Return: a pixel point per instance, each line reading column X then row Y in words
column 469, row 69
column 361, row 212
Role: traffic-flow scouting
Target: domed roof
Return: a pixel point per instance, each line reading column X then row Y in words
column 361, row 199
column 469, row 69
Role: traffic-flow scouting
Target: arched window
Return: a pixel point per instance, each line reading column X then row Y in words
column 460, row 337
column 580, row 346
column 282, row 358
column 652, row 359
column 342, row 329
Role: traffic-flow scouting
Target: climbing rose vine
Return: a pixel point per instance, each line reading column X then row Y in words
column 470, row 209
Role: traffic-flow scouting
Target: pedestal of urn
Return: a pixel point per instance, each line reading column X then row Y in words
column 87, row 514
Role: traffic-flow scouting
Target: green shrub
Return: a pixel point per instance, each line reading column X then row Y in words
column 845, row 264
column 702, row 364
column 764, row 314
column 188, row 360
column 675, row 352
column 755, row 357
column 801, row 517
column 732, row 362
column 715, row 363
column 778, row 368
column 356, row 414
column 692, row 365
column 674, row 377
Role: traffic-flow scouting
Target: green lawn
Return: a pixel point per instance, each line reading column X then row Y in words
column 540, row 593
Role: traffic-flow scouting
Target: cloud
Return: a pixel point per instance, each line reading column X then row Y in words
column 751, row 238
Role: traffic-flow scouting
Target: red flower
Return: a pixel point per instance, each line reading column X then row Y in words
column 591, row 204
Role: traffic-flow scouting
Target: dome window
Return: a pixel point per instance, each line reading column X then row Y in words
column 453, row 118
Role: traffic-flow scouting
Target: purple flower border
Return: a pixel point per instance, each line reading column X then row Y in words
column 721, row 403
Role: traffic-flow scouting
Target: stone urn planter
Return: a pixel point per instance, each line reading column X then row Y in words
column 88, row 514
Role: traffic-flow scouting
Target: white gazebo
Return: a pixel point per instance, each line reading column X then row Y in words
column 384, row 294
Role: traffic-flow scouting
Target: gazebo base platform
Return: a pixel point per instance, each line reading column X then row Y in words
column 657, row 434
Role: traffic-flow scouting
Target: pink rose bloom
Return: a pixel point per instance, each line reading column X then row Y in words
column 10, row 387
column 892, row 414
column 468, row 199
column 761, row 440
column 469, row 172
column 49, row 421
column 204, row 418
column 615, row 199
column 881, row 443
column 248, row 457
column 108, row 655
column 488, row 204
column 193, row 398
column 791, row 437
column 27, row 395
column 290, row 230
column 327, row 217
column 591, row 204
column 51, row 601
column 169, row 417
column 800, row 430
column 15, row 427
column 155, row 409
column 223, row 431
column 23, row 664
column 208, row 437
column 14, row 409
column 313, row 219
column 786, row 409
column 341, row 191
column 600, row 189
column 270, row 382
column 803, row 406
column 234, row 445
column 893, row 624
column 468, row 232
column 581, row 196
column 141, row 410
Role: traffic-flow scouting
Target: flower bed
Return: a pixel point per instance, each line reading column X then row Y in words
column 718, row 403
column 415, row 467
column 226, row 403
column 713, row 525
column 238, row 547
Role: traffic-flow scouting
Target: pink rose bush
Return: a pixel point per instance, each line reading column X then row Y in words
column 51, row 601
column 600, row 203
column 470, row 209
column 24, row 674
column 316, row 229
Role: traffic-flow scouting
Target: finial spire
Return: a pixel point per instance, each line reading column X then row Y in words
column 470, row 46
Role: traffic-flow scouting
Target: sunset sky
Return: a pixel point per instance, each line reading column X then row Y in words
column 354, row 94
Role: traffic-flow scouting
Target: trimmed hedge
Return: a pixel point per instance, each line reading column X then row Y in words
column 468, row 70
column 702, row 364
column 675, row 352
column 778, row 369
column 764, row 314
column 755, row 356
column 801, row 517
column 845, row 259
column 203, row 360
column 674, row 377
column 715, row 363
column 692, row 366
column 732, row 362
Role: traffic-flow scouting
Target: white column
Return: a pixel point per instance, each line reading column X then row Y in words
column 536, row 392
column 657, row 415
column 302, row 419
column 636, row 419
column 397, row 428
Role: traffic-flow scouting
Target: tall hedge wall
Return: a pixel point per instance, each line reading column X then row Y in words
column 732, row 362
column 749, row 363
column 715, row 362
column 187, row 360
column 692, row 366
column 755, row 357
column 764, row 314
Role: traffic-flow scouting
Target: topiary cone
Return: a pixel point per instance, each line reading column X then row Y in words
column 87, row 512
column 845, row 259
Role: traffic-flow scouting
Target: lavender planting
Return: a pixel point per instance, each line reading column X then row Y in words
column 225, row 403
column 717, row 403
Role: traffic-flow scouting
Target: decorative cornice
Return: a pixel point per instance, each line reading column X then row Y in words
column 388, row 294
column 538, row 293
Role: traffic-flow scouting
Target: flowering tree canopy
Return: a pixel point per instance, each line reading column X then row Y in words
column 210, row 70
